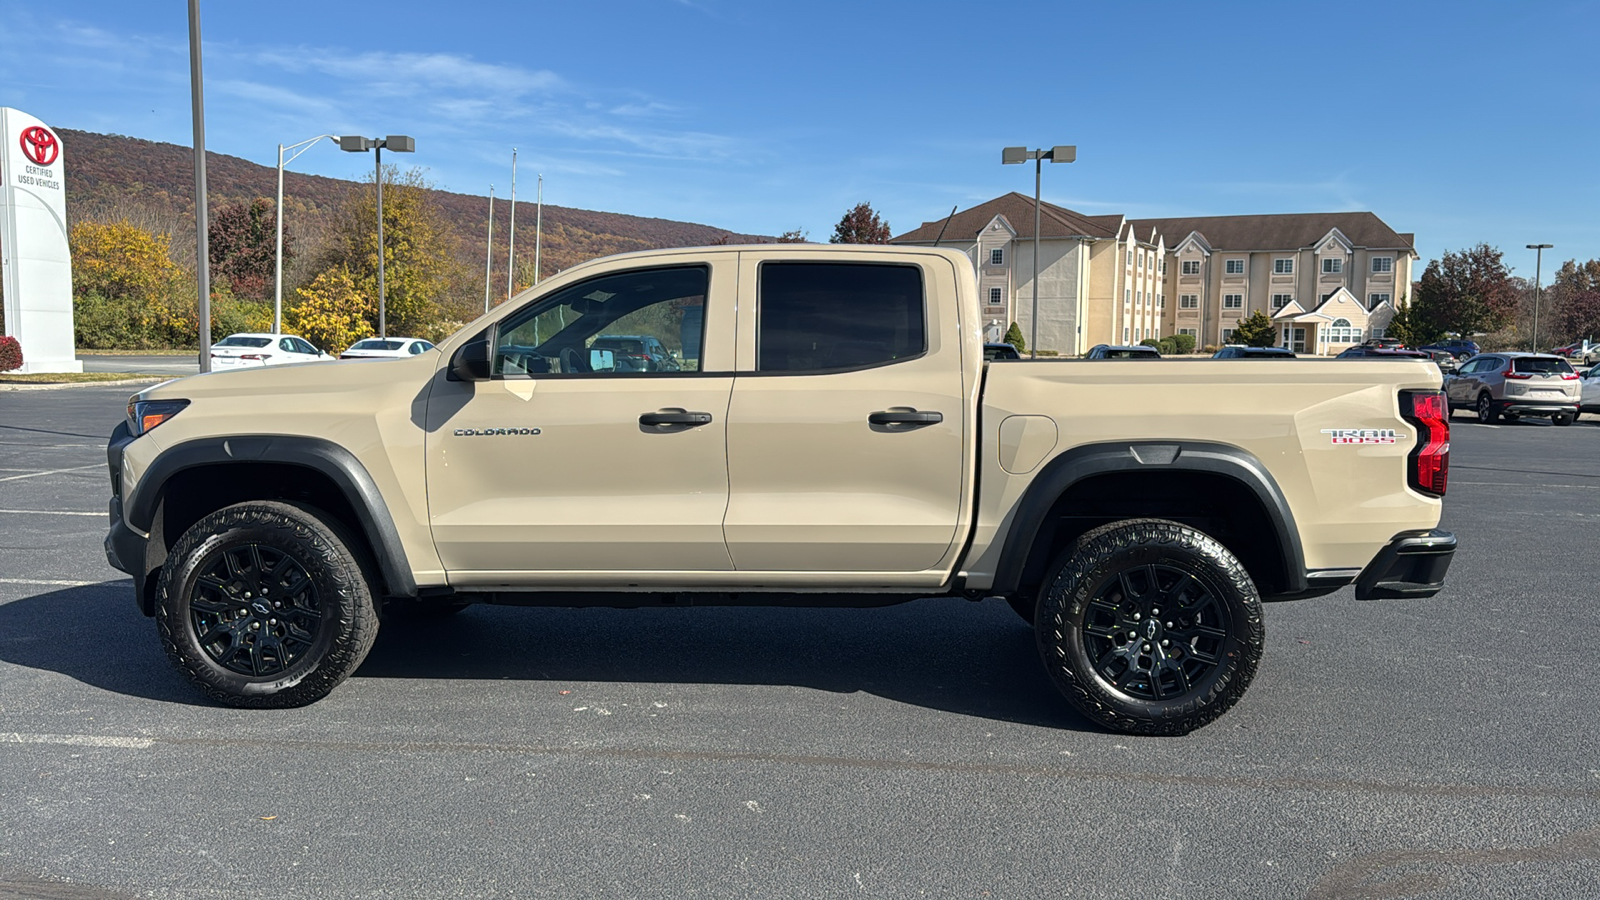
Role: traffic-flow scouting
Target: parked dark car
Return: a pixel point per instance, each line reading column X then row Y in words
column 1253, row 353
column 1444, row 358
column 1000, row 351
column 1365, row 352
column 1458, row 349
column 1109, row 351
column 636, row 352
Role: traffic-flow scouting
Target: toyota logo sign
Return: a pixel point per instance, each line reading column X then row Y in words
column 40, row 146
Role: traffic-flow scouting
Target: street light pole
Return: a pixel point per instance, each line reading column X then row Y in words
column 201, row 225
column 1009, row 156
column 399, row 143
column 1538, row 262
column 277, row 213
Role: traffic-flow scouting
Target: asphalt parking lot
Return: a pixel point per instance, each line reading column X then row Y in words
column 1431, row 749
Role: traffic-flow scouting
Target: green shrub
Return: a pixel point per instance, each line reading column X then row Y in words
column 1150, row 342
column 1184, row 342
column 1014, row 338
column 1167, row 346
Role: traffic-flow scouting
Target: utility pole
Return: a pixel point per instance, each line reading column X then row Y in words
column 201, row 223
column 488, row 255
column 1538, row 263
column 511, row 253
column 538, row 229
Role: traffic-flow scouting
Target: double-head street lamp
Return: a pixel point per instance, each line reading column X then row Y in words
column 277, row 212
column 399, row 143
column 1538, row 261
column 1017, row 155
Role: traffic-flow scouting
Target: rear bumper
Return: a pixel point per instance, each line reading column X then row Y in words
column 1536, row 407
column 1413, row 565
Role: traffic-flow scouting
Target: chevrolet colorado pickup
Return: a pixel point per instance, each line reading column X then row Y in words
column 829, row 434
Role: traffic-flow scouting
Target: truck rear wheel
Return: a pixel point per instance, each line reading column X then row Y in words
column 1149, row 627
column 265, row 605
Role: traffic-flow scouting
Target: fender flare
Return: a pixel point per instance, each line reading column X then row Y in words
column 323, row 456
column 1089, row 460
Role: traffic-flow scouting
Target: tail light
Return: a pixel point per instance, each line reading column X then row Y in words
column 255, row 356
column 1520, row 376
column 1569, row 376
column 1428, row 466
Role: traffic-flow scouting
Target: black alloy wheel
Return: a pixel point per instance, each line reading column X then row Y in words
column 1156, row 631
column 254, row 609
column 1149, row 626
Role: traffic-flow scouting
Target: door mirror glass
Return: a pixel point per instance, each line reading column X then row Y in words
column 471, row 361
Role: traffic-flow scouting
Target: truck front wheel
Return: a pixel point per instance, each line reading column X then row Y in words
column 265, row 605
column 1149, row 627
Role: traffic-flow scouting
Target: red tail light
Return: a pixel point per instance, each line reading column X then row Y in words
column 252, row 356
column 1429, row 463
column 1520, row 376
column 1569, row 376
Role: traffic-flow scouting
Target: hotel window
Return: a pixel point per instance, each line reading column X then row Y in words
column 1227, row 335
column 1163, row 266
column 1381, row 264
column 1340, row 332
column 1124, row 334
column 1283, row 266
column 1188, row 331
column 1233, row 301
column 1141, row 260
column 1235, row 267
column 996, row 296
column 1130, row 259
column 1161, row 301
column 1127, row 296
column 997, row 257
column 1279, row 301
column 1332, row 266
column 1189, row 301
column 1191, row 267
column 1138, row 297
column 1376, row 300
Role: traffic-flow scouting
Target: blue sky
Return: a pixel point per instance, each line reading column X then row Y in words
column 1462, row 122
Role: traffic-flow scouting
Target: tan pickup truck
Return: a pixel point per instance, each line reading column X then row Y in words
column 792, row 425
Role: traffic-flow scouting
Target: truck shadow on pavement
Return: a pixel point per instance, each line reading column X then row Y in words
column 94, row 635
column 975, row 659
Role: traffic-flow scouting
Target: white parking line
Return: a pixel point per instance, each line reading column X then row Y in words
column 77, row 740
column 48, row 582
column 47, row 512
column 52, row 472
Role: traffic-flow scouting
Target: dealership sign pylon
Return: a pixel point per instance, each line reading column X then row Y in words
column 34, row 256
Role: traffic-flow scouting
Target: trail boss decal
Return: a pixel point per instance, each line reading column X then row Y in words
column 1361, row 435
column 495, row 432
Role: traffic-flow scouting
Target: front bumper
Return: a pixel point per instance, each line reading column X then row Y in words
column 1413, row 565
column 126, row 549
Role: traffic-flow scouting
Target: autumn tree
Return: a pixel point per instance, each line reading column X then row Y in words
column 242, row 246
column 331, row 312
column 860, row 225
column 1255, row 330
column 1570, row 303
column 126, row 288
column 1465, row 293
column 792, row 237
column 418, row 251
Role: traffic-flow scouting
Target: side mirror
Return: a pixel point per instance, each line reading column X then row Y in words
column 471, row 361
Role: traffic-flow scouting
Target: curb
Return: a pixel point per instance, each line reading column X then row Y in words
column 143, row 379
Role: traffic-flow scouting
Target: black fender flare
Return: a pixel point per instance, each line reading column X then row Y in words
column 323, row 456
column 1089, row 460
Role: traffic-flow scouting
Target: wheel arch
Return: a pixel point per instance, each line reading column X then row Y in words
column 200, row 476
column 1098, row 483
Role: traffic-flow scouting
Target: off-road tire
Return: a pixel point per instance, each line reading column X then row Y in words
column 329, row 646
column 1094, row 573
column 1485, row 408
column 1563, row 419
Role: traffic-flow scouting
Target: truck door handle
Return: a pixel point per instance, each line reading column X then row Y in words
column 675, row 417
column 905, row 417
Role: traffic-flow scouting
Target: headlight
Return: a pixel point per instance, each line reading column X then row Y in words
column 144, row 415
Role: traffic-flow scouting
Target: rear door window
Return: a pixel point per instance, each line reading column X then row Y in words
column 818, row 317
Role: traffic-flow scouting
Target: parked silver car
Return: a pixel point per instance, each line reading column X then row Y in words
column 1515, row 385
column 1589, row 402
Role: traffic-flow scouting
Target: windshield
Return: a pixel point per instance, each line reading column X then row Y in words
column 1540, row 365
column 243, row 342
column 376, row 344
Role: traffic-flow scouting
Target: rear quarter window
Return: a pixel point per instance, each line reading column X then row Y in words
column 830, row 316
column 1540, row 366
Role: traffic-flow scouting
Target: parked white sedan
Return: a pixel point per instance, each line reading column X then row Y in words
column 386, row 348
column 240, row 350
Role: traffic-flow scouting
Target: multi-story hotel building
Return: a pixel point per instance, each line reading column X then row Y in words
column 1328, row 280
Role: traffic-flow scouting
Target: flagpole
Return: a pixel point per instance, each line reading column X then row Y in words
column 538, row 230
column 511, row 253
column 488, row 255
